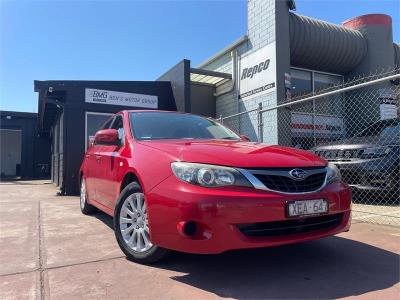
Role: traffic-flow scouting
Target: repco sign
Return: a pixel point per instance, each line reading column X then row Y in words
column 258, row 72
column 250, row 72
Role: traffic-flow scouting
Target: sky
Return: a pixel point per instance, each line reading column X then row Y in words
column 129, row 40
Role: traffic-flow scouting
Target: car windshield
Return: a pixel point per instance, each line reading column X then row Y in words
column 385, row 128
column 166, row 125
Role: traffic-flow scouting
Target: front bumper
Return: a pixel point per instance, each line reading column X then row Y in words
column 219, row 213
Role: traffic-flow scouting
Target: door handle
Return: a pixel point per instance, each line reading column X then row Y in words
column 98, row 157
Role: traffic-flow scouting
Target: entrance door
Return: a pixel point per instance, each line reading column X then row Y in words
column 10, row 151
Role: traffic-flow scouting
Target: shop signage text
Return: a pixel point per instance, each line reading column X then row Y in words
column 324, row 126
column 249, row 72
column 120, row 98
column 258, row 72
column 387, row 104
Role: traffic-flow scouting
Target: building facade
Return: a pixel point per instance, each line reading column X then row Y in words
column 283, row 56
column 24, row 152
column 70, row 113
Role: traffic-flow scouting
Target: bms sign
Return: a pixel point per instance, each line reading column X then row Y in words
column 120, row 98
column 258, row 72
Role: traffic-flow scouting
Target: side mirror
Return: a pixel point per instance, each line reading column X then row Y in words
column 244, row 138
column 106, row 137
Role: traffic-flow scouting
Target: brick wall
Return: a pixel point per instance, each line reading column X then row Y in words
column 261, row 32
column 260, row 23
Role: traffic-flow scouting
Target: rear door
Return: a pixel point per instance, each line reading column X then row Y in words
column 109, row 159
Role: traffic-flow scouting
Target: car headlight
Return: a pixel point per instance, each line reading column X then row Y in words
column 373, row 152
column 333, row 173
column 208, row 175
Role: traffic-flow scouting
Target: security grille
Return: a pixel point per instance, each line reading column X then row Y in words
column 354, row 125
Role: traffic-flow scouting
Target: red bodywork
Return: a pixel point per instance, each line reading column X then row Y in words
column 171, row 201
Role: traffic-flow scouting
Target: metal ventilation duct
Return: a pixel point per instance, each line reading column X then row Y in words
column 319, row 45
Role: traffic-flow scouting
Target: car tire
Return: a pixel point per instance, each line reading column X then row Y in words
column 86, row 208
column 132, row 229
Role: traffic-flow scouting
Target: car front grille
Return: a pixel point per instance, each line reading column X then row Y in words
column 287, row 227
column 340, row 154
column 281, row 181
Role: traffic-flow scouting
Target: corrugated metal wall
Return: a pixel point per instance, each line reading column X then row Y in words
column 319, row 45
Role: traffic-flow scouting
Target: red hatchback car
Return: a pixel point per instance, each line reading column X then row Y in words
column 176, row 181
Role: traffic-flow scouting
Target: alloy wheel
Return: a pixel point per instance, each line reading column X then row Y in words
column 134, row 224
column 83, row 194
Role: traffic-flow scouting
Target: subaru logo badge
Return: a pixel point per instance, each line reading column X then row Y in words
column 298, row 174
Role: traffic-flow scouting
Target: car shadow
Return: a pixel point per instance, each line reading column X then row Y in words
column 329, row 268
column 106, row 219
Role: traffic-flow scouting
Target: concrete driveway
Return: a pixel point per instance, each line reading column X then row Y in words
column 49, row 250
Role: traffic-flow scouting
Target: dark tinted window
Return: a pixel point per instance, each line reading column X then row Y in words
column 382, row 128
column 159, row 125
column 94, row 122
column 107, row 124
column 118, row 124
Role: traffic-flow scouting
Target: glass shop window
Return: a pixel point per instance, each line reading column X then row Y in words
column 95, row 122
column 324, row 81
column 301, row 82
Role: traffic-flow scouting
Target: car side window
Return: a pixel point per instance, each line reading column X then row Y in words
column 107, row 123
column 118, row 124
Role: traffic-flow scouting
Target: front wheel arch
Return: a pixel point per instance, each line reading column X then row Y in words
column 128, row 179
column 155, row 253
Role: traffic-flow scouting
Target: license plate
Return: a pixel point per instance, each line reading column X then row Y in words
column 307, row 207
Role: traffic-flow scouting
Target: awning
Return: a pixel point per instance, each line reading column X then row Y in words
column 209, row 77
column 50, row 103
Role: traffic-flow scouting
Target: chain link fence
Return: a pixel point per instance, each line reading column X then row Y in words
column 354, row 125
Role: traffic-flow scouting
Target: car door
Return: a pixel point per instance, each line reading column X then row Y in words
column 108, row 157
column 91, row 164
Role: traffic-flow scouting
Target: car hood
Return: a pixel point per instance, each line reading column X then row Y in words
column 360, row 142
column 236, row 153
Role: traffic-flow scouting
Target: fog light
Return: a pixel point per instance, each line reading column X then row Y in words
column 187, row 228
column 190, row 228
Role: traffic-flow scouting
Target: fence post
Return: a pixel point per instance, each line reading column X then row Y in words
column 260, row 124
column 313, row 110
column 314, row 124
column 220, row 119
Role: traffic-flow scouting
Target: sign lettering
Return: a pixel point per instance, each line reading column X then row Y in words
column 120, row 98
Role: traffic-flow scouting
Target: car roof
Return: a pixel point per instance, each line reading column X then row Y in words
column 160, row 111
column 149, row 110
